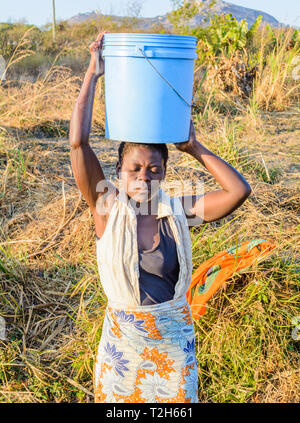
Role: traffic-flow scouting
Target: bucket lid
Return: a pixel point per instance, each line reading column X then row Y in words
column 164, row 40
column 154, row 45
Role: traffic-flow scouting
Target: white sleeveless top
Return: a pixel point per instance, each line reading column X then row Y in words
column 117, row 250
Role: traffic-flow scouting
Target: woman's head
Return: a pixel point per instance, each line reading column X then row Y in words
column 141, row 166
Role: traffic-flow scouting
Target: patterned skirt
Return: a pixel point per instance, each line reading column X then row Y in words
column 146, row 354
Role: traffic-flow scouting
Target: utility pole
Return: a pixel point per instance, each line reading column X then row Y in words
column 53, row 20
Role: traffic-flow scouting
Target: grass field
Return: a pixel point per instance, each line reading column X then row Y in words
column 51, row 296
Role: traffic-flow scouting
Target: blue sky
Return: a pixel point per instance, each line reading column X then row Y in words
column 39, row 11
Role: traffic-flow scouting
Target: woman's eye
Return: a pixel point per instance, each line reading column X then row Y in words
column 153, row 170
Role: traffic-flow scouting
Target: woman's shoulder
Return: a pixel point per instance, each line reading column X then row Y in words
column 104, row 205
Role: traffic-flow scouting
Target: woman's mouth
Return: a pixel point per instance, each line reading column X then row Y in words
column 143, row 189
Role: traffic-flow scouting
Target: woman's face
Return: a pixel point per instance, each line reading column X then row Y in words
column 142, row 169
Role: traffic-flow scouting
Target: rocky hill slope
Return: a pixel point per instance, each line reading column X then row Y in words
column 220, row 7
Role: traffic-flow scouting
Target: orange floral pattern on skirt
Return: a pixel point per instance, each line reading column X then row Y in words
column 147, row 356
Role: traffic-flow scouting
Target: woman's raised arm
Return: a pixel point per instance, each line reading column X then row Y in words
column 215, row 204
column 86, row 167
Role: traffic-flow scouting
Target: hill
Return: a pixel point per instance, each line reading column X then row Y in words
column 220, row 7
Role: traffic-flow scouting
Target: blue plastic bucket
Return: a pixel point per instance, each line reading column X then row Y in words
column 148, row 87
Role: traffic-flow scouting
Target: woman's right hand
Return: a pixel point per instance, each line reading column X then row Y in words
column 96, row 55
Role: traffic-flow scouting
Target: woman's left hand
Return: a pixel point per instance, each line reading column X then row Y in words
column 96, row 55
column 188, row 145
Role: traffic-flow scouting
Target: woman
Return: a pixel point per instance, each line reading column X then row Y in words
column 147, row 347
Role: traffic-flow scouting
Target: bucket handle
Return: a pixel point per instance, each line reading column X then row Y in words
column 190, row 105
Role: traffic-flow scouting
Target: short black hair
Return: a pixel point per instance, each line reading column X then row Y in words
column 124, row 147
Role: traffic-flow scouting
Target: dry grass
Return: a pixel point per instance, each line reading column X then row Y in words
column 231, row 75
column 43, row 107
column 53, row 302
column 270, row 83
column 275, row 88
column 50, row 293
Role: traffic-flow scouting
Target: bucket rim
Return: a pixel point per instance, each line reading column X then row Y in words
column 149, row 35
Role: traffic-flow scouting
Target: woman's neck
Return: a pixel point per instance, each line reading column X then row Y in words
column 145, row 208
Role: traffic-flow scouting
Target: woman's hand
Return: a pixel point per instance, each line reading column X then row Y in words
column 190, row 144
column 96, row 55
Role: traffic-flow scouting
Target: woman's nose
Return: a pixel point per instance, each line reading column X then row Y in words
column 144, row 175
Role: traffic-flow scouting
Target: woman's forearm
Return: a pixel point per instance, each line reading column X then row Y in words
column 80, row 123
column 229, row 178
